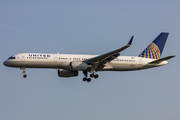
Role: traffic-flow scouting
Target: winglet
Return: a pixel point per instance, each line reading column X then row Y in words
column 130, row 41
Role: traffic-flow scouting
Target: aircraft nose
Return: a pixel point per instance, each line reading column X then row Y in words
column 5, row 63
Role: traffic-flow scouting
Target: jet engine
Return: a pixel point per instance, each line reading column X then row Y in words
column 78, row 65
column 67, row 73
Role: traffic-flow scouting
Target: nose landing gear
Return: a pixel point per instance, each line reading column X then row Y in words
column 24, row 75
column 24, row 72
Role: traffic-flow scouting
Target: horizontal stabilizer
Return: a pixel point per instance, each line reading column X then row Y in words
column 162, row 59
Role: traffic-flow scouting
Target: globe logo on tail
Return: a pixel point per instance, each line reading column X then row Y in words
column 152, row 51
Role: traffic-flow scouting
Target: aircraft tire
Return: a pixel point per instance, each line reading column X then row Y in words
column 96, row 76
column 24, row 75
column 85, row 79
column 92, row 75
column 89, row 80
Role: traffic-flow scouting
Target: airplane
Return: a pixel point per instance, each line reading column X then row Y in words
column 68, row 65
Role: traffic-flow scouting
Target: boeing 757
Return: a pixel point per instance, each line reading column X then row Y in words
column 69, row 65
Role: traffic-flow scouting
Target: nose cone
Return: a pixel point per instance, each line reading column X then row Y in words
column 5, row 63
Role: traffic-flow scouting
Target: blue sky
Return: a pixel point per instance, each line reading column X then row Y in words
column 89, row 27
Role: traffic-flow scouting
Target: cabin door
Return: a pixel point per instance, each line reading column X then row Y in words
column 55, row 59
column 23, row 58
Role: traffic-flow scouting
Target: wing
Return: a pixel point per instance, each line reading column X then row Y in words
column 103, row 59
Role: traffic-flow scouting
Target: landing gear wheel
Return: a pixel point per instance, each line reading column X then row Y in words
column 85, row 79
column 24, row 72
column 89, row 80
column 96, row 76
column 24, row 75
column 92, row 75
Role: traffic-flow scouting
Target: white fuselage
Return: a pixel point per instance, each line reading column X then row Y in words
column 62, row 61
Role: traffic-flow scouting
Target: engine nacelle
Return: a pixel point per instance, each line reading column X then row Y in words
column 67, row 73
column 78, row 65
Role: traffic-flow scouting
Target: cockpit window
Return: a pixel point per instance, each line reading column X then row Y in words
column 11, row 58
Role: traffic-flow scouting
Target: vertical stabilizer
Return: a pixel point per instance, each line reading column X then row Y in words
column 154, row 50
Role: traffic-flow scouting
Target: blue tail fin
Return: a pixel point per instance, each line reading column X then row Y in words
column 154, row 50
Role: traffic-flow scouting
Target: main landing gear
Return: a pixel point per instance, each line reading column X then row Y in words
column 91, row 75
column 24, row 72
column 94, row 75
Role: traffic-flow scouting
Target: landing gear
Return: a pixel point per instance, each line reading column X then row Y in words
column 91, row 75
column 24, row 72
column 87, row 79
column 24, row 75
column 94, row 75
